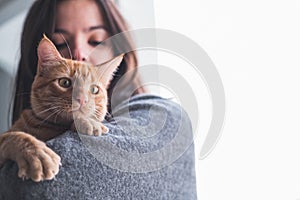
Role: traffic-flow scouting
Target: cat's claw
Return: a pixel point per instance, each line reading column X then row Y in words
column 100, row 130
column 105, row 130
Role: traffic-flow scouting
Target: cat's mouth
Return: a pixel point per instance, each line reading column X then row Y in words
column 79, row 111
column 75, row 109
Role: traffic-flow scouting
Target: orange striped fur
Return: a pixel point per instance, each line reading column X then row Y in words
column 65, row 95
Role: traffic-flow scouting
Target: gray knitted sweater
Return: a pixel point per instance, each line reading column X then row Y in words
column 147, row 154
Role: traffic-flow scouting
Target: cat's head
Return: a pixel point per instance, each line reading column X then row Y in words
column 64, row 88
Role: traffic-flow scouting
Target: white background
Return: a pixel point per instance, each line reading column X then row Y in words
column 255, row 47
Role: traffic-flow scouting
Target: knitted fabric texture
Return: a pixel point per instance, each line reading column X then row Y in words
column 147, row 154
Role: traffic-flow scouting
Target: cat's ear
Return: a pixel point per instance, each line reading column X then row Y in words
column 47, row 52
column 106, row 70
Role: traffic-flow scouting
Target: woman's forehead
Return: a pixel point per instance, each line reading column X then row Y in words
column 75, row 15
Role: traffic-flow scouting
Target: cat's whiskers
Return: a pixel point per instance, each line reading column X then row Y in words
column 48, row 103
column 33, row 117
column 48, row 109
column 55, row 111
column 59, row 113
column 42, row 107
column 48, row 99
column 46, row 106
column 46, row 119
column 70, row 53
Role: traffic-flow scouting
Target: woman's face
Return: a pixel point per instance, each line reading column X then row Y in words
column 79, row 28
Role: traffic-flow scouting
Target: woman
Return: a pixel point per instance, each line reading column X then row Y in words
column 140, row 167
column 58, row 19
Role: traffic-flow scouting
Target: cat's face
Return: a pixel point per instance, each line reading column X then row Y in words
column 65, row 88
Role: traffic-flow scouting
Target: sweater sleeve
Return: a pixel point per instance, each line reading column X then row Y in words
column 147, row 154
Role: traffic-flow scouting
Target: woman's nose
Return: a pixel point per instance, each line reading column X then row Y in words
column 79, row 54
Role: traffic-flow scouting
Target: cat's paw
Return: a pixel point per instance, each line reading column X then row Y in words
column 37, row 162
column 83, row 126
column 89, row 127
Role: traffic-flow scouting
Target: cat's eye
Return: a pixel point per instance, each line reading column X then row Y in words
column 65, row 82
column 94, row 89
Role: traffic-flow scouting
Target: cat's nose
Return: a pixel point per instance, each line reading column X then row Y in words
column 82, row 100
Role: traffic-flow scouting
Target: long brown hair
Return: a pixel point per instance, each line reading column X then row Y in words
column 41, row 19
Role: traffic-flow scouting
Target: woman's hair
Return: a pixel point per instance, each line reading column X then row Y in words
column 41, row 19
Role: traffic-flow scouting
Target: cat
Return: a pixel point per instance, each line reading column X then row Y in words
column 65, row 94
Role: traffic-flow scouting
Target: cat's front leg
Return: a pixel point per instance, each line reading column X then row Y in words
column 89, row 127
column 35, row 160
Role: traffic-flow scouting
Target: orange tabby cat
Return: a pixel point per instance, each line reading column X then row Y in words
column 65, row 95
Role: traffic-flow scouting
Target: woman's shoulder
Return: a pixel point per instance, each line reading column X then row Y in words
column 148, row 152
column 141, row 104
